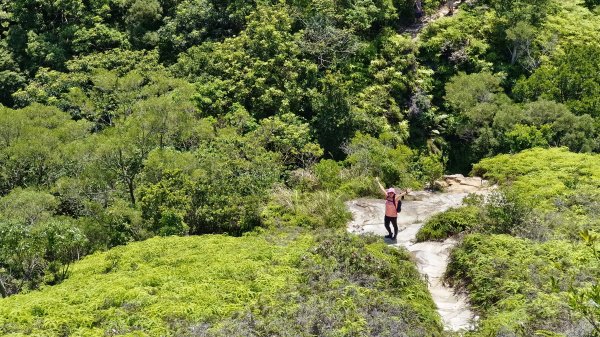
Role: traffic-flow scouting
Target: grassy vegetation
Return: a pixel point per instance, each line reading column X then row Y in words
column 527, row 259
column 284, row 284
column 523, row 286
column 560, row 190
column 543, row 174
column 448, row 223
column 150, row 285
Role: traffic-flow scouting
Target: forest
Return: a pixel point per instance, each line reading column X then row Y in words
column 142, row 142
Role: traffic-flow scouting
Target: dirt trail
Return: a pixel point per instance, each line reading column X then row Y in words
column 431, row 257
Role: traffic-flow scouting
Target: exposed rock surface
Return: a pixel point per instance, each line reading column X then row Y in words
column 431, row 257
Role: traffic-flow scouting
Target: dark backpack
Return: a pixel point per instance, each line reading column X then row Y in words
column 399, row 206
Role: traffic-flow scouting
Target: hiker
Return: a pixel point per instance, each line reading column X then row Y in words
column 393, row 203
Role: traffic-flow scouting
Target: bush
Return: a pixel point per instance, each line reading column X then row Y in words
column 171, row 223
column 553, row 189
column 542, row 175
column 520, row 286
column 503, row 213
column 165, row 204
column 115, row 225
column 359, row 187
column 284, row 283
column 350, row 286
column 367, row 156
column 448, row 223
column 231, row 184
column 28, row 206
column 303, row 180
column 432, row 169
column 329, row 174
column 313, row 210
column 31, row 255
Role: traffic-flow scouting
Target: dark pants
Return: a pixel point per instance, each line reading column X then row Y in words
column 394, row 221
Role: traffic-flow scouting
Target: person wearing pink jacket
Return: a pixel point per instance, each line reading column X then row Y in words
column 393, row 202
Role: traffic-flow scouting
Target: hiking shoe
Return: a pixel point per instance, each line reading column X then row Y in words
column 389, row 236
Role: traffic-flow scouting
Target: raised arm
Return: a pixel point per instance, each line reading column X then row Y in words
column 380, row 186
column 405, row 192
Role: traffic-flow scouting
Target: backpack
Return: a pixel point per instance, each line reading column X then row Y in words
column 399, row 206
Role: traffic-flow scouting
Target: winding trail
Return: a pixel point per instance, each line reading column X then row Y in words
column 431, row 257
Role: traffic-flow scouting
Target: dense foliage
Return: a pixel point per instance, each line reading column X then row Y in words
column 121, row 120
column 285, row 284
column 511, row 75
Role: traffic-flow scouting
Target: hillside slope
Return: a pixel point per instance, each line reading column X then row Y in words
column 285, row 284
column 528, row 262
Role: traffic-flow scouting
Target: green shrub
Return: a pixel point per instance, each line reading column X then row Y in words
column 350, row 286
column 359, row 187
column 448, row 223
column 31, row 255
column 431, row 168
column 328, row 173
column 144, row 287
column 171, row 223
column 520, row 286
column 165, row 204
column 232, row 183
column 543, row 174
column 544, row 188
column 368, row 156
column 292, row 282
column 303, row 180
column 313, row 210
column 28, row 206
column 503, row 212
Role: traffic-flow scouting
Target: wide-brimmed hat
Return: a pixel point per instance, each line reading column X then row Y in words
column 391, row 190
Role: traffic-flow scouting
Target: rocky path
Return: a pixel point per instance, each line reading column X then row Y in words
column 431, row 257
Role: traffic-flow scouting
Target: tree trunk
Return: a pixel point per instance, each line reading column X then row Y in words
column 131, row 188
column 3, row 292
column 514, row 53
